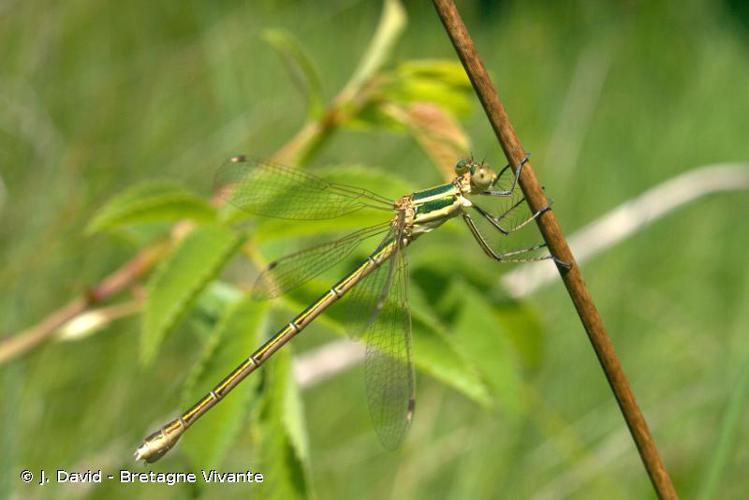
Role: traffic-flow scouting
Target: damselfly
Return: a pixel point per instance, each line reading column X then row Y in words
column 377, row 285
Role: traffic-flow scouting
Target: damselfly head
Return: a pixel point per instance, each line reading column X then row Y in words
column 480, row 174
column 463, row 166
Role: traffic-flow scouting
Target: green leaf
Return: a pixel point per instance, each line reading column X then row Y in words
column 233, row 339
column 140, row 235
column 478, row 332
column 300, row 67
column 524, row 329
column 283, row 452
column 295, row 423
column 436, row 354
column 213, row 303
column 439, row 83
column 431, row 265
column 150, row 202
column 424, row 99
column 181, row 277
column 434, row 351
column 455, row 101
column 446, row 71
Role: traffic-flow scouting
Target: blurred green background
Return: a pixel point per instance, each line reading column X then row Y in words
column 612, row 98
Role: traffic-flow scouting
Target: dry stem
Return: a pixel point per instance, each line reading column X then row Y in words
column 558, row 247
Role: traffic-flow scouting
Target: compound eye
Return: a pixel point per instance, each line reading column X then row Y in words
column 461, row 166
column 482, row 178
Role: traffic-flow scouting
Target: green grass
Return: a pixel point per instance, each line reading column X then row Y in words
column 97, row 97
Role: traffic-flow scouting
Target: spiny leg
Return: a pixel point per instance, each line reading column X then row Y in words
column 510, row 191
column 503, row 256
column 495, row 221
column 509, row 210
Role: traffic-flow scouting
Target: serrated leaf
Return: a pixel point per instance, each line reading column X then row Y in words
column 438, row 83
column 436, row 354
column 234, row 338
column 150, row 202
column 519, row 322
column 441, row 82
column 181, row 277
column 213, row 303
column 455, row 102
column 300, row 67
column 282, row 449
column 481, row 338
column 141, row 235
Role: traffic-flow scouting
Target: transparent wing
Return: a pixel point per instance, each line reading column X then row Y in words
column 378, row 310
column 292, row 271
column 273, row 190
column 362, row 301
column 388, row 369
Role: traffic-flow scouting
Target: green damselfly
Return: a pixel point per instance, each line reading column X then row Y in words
column 377, row 286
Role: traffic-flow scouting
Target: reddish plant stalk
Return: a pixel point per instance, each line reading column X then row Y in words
column 557, row 244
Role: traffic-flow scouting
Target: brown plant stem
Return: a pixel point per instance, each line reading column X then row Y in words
column 117, row 281
column 130, row 272
column 558, row 247
column 308, row 140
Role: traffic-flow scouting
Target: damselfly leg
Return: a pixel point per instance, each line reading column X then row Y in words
column 507, row 256
column 495, row 221
column 516, row 176
column 375, row 289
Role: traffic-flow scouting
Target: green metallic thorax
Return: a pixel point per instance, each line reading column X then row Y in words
column 435, row 192
column 435, row 205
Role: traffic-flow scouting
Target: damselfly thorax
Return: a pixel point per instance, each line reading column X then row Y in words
column 375, row 289
column 430, row 208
